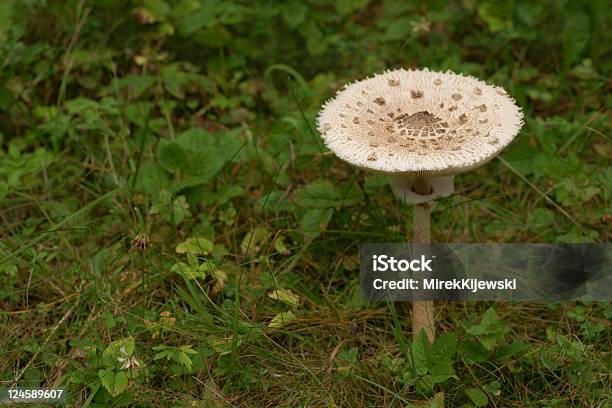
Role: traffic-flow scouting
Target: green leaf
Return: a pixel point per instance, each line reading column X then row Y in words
column 253, row 241
column 273, row 201
column 440, row 375
column 285, row 296
column 117, row 350
column 319, row 194
column 316, row 46
column 151, row 178
column 7, row 10
column 420, row 353
column 346, row 7
column 478, row 397
column 197, row 156
column 496, row 13
column 323, row 194
column 575, row 35
column 491, row 331
column 294, row 14
column 195, row 246
column 280, row 246
column 184, row 360
column 171, row 210
column 81, row 105
column 400, row 29
column 474, row 351
column 529, row 12
column 171, row 155
column 316, row 42
column 521, row 157
column 174, row 80
column 179, row 355
column 159, row 8
column 315, row 221
column 228, row 215
column 164, row 352
column 281, row 319
column 444, row 347
column 571, row 191
column 115, row 382
column 190, row 272
column 493, row 387
column 225, row 194
column 516, row 348
column 441, row 358
column 182, row 357
column 137, row 85
column 540, row 218
column 109, row 320
column 205, row 16
column 178, row 211
column 578, row 236
column 349, row 355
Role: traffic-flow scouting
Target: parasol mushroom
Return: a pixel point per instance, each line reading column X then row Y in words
column 422, row 127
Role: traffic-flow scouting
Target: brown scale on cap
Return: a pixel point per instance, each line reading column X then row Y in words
column 379, row 101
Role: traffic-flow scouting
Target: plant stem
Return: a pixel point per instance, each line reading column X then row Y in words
column 422, row 311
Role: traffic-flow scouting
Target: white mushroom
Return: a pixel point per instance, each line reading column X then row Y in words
column 441, row 123
column 422, row 127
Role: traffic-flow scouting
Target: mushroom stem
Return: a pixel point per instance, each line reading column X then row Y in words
column 422, row 311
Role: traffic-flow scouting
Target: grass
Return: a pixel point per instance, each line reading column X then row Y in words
column 163, row 242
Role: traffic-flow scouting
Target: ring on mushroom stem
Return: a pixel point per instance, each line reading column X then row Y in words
column 422, row 127
column 418, row 190
column 422, row 186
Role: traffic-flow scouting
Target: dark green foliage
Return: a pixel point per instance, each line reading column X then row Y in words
column 174, row 232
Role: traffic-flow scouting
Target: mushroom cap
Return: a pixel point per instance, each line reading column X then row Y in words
column 419, row 122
